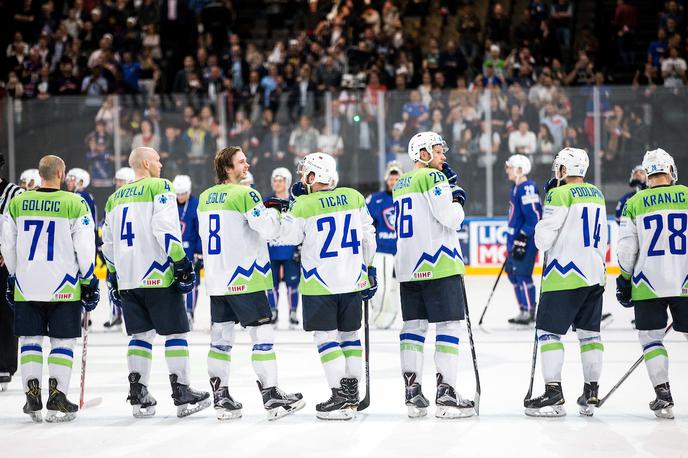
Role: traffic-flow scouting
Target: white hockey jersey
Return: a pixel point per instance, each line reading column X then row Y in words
column 427, row 222
column 48, row 242
column 573, row 235
column 234, row 226
column 653, row 250
column 142, row 235
column 338, row 241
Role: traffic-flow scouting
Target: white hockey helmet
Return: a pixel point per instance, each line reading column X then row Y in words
column 574, row 159
column 322, row 165
column 519, row 161
column 659, row 161
column 393, row 167
column 29, row 175
column 182, row 184
column 425, row 141
column 125, row 174
column 79, row 175
column 248, row 181
column 282, row 172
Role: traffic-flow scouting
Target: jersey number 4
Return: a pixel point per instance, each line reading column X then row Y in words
column 38, row 224
column 349, row 239
column 127, row 230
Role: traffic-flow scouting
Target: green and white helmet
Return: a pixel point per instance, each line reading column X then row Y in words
column 574, row 159
column 425, row 141
column 659, row 161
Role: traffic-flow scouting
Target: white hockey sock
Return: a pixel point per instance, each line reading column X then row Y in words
column 447, row 350
column 552, row 355
column 592, row 349
column 263, row 356
column 412, row 339
column 60, row 362
column 655, row 355
column 219, row 355
column 177, row 357
column 331, row 356
column 140, row 355
column 31, row 359
column 351, row 348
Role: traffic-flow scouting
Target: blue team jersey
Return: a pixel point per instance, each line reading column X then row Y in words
column 281, row 252
column 381, row 208
column 188, row 219
column 621, row 204
column 525, row 211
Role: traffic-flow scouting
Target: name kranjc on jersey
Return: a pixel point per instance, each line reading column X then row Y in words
column 573, row 233
column 338, row 241
column 524, row 211
column 48, row 242
column 652, row 242
column 141, row 233
column 234, row 226
column 381, row 208
column 427, row 222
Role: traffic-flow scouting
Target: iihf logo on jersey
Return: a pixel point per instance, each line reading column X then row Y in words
column 389, row 217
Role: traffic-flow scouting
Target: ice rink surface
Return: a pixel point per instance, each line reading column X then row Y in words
column 624, row 427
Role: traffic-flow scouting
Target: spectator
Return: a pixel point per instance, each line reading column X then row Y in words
column 146, row 137
column 431, row 59
column 496, row 62
column 64, row 82
column 131, row 72
column 582, row 72
column 415, row 113
column 396, row 146
column 106, row 114
column 469, row 29
column 95, row 86
column 522, row 141
column 658, row 48
column 545, row 145
column 452, row 62
column 437, row 122
column 498, row 25
column 561, row 14
column 184, row 76
column 303, row 96
column 199, row 146
column 172, row 151
column 674, row 69
column 527, row 32
column 617, row 132
column 100, row 156
column 330, row 143
column 626, row 23
column 556, row 124
column 303, row 140
column 488, row 144
column 328, row 76
column 275, row 145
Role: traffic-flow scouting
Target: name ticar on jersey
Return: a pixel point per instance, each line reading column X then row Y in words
column 664, row 198
column 333, row 201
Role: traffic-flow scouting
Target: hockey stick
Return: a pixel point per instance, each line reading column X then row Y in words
column 476, row 398
column 535, row 340
column 489, row 299
column 628, row 372
column 365, row 402
column 91, row 402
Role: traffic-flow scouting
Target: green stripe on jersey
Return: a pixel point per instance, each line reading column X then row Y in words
column 229, row 197
column 326, row 202
column 57, row 204
column 418, row 181
column 574, row 193
column 143, row 190
column 656, row 199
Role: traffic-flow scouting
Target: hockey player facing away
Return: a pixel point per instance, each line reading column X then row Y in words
column 429, row 211
column 637, row 181
column 123, row 176
column 187, row 207
column 338, row 246
column 48, row 244
column 30, row 179
column 385, row 304
column 77, row 180
column 149, row 273
column 524, row 213
column 282, row 257
column 573, row 236
column 654, row 267
column 234, row 227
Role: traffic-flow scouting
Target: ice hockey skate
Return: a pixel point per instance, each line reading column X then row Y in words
column 663, row 404
column 549, row 404
column 188, row 400
column 293, row 320
column 5, row 379
column 449, row 403
column 523, row 319
column 142, row 403
column 416, row 403
column 34, row 403
column 338, row 407
column 588, row 401
column 226, row 408
column 278, row 403
column 114, row 324
column 60, row 410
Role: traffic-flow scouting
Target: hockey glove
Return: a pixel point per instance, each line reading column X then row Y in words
column 90, row 294
column 297, row 254
column 553, row 183
column 519, row 249
column 184, row 276
column 282, row 205
column 113, row 289
column 623, row 291
column 9, row 294
column 367, row 294
column 198, row 263
column 452, row 176
column 299, row 189
column 458, row 195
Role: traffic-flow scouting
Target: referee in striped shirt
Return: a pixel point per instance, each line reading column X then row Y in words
column 8, row 341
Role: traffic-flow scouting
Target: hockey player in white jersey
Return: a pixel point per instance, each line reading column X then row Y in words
column 653, row 258
column 149, row 272
column 429, row 211
column 572, row 234
column 234, row 226
column 338, row 247
column 48, row 246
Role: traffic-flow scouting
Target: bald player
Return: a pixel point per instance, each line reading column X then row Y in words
column 149, row 274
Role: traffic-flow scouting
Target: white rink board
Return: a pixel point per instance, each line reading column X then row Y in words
column 624, row 427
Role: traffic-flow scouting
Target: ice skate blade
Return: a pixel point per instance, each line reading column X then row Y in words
column 586, row 411
column 667, row 413
column 521, row 327
column 3, row 387
column 548, row 411
column 450, row 412
column 185, row 410
column 142, row 412
column 225, row 415
column 417, row 412
column 36, row 416
column 283, row 411
column 339, row 415
column 55, row 416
